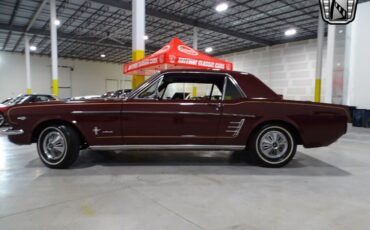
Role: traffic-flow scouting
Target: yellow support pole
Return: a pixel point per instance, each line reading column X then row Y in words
column 320, row 44
column 318, row 90
column 137, row 79
column 55, row 87
column 194, row 94
column 54, row 47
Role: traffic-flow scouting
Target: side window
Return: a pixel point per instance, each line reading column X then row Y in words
column 231, row 92
column 50, row 98
column 191, row 91
column 190, row 87
column 40, row 98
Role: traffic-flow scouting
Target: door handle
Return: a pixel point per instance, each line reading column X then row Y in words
column 216, row 105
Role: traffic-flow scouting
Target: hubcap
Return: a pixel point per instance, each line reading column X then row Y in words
column 273, row 144
column 54, row 145
column 2, row 119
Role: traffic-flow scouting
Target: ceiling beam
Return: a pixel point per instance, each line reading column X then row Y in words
column 185, row 20
column 36, row 14
column 246, row 48
column 91, row 40
column 11, row 23
column 14, row 12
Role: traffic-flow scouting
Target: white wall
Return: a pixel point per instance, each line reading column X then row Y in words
column 88, row 77
column 289, row 69
column 358, row 58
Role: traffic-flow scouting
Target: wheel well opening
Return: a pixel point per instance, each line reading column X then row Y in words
column 41, row 126
column 285, row 124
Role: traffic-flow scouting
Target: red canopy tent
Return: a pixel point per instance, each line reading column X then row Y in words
column 176, row 54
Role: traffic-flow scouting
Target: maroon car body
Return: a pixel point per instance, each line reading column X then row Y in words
column 133, row 123
column 22, row 99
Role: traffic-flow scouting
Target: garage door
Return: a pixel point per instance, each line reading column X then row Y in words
column 65, row 82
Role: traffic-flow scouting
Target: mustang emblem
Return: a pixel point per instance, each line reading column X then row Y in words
column 96, row 130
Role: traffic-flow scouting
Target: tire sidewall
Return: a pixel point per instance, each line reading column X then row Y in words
column 41, row 140
column 72, row 146
column 291, row 146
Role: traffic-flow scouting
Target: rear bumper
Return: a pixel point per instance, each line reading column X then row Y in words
column 11, row 132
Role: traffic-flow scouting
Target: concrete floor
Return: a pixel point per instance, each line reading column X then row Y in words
column 325, row 188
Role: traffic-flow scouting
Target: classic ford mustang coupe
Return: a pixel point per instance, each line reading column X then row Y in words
column 180, row 109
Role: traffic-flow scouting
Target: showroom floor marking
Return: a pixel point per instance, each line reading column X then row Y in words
column 167, row 208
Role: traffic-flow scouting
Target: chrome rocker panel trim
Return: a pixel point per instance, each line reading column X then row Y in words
column 11, row 132
column 166, row 147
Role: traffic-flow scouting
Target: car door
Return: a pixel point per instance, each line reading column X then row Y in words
column 234, row 120
column 171, row 120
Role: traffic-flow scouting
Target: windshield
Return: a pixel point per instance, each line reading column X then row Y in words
column 17, row 100
column 148, row 81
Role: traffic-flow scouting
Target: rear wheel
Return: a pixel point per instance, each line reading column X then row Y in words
column 272, row 146
column 58, row 146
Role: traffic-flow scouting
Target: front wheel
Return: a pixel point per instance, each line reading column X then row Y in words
column 272, row 146
column 58, row 146
column 2, row 119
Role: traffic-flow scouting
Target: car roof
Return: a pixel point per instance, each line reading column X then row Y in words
column 252, row 86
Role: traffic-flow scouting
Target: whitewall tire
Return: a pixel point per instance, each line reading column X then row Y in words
column 58, row 146
column 272, row 146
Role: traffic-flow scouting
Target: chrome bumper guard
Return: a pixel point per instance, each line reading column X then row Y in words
column 11, row 132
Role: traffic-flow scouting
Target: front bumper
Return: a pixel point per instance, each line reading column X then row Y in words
column 11, row 132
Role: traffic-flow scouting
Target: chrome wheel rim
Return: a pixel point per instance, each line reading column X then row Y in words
column 274, row 144
column 2, row 119
column 54, row 146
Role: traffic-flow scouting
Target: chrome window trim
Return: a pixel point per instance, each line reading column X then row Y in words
column 157, row 81
column 149, row 83
column 166, row 147
column 232, row 79
column 224, row 89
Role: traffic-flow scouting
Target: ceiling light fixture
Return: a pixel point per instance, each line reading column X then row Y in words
column 33, row 48
column 102, row 55
column 290, row 32
column 146, row 37
column 57, row 22
column 209, row 49
column 222, row 7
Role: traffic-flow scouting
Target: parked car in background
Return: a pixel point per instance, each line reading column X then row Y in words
column 117, row 94
column 108, row 94
column 122, row 93
column 4, row 102
column 22, row 99
column 221, row 111
column 88, row 97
